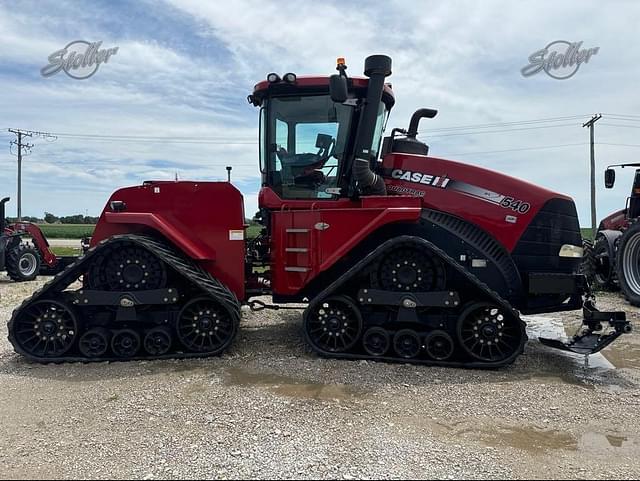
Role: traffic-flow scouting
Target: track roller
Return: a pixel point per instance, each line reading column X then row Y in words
column 439, row 345
column 125, row 343
column 95, row 342
column 157, row 341
column 376, row 341
column 407, row 344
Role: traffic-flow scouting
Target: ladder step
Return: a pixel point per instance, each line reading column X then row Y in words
column 297, row 231
column 296, row 249
column 297, row 269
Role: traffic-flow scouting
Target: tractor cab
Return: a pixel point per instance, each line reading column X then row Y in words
column 311, row 128
column 633, row 201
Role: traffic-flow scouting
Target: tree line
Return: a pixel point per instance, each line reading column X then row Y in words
column 49, row 218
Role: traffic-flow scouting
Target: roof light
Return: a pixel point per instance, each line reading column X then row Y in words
column 290, row 78
column 273, row 78
column 341, row 61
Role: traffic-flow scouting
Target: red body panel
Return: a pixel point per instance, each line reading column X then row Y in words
column 616, row 221
column 309, row 236
column 40, row 241
column 474, row 193
column 203, row 219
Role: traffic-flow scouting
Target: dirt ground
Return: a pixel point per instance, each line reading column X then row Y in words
column 269, row 408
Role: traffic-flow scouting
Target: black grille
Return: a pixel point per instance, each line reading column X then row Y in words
column 538, row 248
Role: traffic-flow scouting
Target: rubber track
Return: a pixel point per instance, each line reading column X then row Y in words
column 184, row 266
column 372, row 257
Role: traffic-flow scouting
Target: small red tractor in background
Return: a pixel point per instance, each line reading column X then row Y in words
column 22, row 260
column 398, row 255
column 612, row 262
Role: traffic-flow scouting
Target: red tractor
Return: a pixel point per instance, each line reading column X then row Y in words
column 399, row 256
column 613, row 261
column 23, row 261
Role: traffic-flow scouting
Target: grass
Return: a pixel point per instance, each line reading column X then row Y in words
column 67, row 231
column 586, row 233
column 66, row 251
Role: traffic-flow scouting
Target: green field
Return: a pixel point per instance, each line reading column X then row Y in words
column 67, row 231
column 586, row 233
column 66, row 251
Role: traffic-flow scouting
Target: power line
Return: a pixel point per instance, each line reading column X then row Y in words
column 502, row 130
column 519, row 149
column 622, row 125
column 26, row 147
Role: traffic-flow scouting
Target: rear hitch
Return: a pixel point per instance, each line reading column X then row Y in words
column 594, row 335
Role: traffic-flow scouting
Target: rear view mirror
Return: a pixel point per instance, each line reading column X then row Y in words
column 609, row 178
column 338, row 88
column 323, row 141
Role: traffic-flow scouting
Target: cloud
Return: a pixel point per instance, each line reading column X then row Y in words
column 184, row 68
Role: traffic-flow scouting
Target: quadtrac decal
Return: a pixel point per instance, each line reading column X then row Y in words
column 444, row 182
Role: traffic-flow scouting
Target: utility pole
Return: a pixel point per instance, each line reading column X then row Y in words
column 594, row 220
column 19, row 143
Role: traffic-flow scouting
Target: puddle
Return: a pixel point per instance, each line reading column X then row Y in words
column 598, row 442
column 526, row 439
column 290, row 386
column 622, row 354
column 536, row 441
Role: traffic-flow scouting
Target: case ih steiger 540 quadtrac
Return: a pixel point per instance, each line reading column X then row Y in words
column 407, row 258
column 613, row 261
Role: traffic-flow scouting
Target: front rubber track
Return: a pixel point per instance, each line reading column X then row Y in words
column 485, row 294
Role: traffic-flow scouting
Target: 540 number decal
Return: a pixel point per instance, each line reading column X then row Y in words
column 515, row 205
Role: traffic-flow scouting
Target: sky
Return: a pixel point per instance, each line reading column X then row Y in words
column 177, row 86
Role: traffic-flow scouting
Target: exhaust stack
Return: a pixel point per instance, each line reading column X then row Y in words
column 377, row 68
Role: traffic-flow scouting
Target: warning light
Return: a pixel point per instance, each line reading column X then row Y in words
column 341, row 61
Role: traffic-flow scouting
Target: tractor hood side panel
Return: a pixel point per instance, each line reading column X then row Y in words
column 502, row 205
column 204, row 220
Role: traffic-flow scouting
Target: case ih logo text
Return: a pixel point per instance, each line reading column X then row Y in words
column 79, row 59
column 560, row 59
column 420, row 178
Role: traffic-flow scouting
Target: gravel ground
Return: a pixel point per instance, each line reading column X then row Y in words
column 269, row 408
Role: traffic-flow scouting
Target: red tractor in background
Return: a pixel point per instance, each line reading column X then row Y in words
column 23, row 261
column 398, row 256
column 613, row 260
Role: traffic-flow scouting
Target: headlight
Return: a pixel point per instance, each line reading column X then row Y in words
column 290, row 78
column 568, row 250
column 273, row 78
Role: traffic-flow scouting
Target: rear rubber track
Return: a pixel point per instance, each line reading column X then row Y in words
column 199, row 282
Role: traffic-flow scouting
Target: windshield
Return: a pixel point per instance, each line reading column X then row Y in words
column 307, row 139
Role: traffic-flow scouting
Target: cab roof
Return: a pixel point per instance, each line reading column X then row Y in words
column 314, row 84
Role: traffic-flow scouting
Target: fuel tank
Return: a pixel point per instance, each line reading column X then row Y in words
column 204, row 220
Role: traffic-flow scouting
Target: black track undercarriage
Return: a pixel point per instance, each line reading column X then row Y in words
column 408, row 301
column 140, row 299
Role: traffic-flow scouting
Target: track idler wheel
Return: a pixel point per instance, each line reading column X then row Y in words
column 158, row 341
column 407, row 344
column 489, row 334
column 410, row 269
column 128, row 267
column 95, row 342
column 205, row 326
column 46, row 329
column 125, row 343
column 439, row 345
column 376, row 341
column 333, row 325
